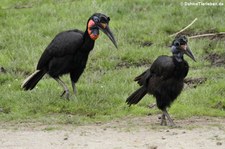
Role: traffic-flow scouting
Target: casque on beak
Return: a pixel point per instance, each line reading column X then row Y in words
column 105, row 28
column 188, row 52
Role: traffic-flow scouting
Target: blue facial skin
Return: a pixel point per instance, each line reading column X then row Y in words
column 178, row 54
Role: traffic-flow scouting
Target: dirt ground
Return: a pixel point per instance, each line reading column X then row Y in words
column 129, row 133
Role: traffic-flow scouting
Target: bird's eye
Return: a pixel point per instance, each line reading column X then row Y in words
column 176, row 43
column 96, row 19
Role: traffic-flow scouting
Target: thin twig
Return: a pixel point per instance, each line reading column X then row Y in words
column 184, row 28
column 206, row 35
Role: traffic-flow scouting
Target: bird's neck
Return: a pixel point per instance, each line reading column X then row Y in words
column 88, row 43
column 181, row 67
column 178, row 57
column 177, row 54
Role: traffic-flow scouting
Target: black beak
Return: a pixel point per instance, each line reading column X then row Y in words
column 189, row 53
column 108, row 32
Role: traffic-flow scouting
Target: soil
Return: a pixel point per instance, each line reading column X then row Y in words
column 194, row 82
column 215, row 59
column 126, row 64
column 129, row 133
column 141, row 43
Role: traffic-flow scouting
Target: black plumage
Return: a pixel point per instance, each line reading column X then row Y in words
column 68, row 53
column 165, row 78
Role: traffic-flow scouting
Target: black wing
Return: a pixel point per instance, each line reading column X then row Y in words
column 162, row 67
column 65, row 43
column 141, row 79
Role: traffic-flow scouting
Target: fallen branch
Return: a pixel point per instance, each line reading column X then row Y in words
column 206, row 35
column 184, row 28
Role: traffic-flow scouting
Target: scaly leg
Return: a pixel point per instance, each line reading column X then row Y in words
column 74, row 88
column 163, row 120
column 65, row 88
column 168, row 117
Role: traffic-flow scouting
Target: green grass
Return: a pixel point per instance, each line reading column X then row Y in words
column 28, row 26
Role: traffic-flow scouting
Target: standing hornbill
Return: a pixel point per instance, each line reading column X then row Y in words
column 165, row 78
column 68, row 53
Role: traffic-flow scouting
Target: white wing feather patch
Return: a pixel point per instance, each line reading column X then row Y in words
column 28, row 78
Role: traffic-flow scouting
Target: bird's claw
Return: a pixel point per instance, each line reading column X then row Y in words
column 163, row 122
column 66, row 94
column 171, row 124
column 62, row 93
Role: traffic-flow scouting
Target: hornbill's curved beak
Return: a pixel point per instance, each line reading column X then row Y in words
column 189, row 53
column 105, row 28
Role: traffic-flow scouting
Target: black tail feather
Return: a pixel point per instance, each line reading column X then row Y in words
column 30, row 82
column 135, row 97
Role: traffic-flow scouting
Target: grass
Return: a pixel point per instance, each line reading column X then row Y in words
column 27, row 27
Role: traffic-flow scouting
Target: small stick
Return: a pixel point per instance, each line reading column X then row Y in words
column 184, row 28
column 151, row 105
column 206, row 35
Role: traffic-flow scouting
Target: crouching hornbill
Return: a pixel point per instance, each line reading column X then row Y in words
column 165, row 78
column 68, row 53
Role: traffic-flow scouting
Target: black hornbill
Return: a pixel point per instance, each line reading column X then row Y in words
column 165, row 78
column 68, row 53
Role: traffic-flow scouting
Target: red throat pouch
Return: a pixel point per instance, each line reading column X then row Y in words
column 92, row 36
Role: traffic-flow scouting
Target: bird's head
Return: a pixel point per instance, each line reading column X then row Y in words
column 180, row 47
column 99, row 21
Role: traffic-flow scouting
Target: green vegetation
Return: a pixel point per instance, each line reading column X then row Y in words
column 28, row 26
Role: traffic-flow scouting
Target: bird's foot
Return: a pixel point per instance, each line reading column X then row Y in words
column 163, row 120
column 166, row 114
column 172, row 124
column 163, row 123
column 66, row 93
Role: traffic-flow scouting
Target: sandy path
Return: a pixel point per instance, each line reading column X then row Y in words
column 130, row 133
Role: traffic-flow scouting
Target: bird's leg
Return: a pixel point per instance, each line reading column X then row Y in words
column 163, row 120
column 66, row 90
column 168, row 117
column 74, row 88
